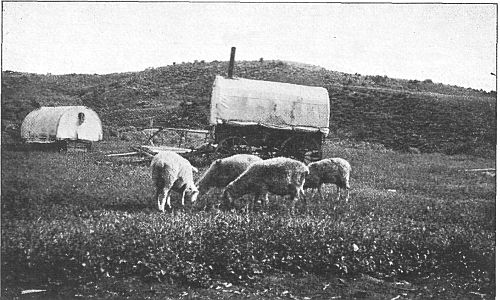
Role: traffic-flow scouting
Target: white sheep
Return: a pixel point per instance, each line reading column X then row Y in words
column 280, row 176
column 222, row 171
column 329, row 170
column 170, row 171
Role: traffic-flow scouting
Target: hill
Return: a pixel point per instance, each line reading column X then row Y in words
column 395, row 112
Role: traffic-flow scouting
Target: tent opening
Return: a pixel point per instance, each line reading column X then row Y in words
column 81, row 118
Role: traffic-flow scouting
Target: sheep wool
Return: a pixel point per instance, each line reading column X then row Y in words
column 329, row 170
column 170, row 171
column 223, row 171
column 280, row 176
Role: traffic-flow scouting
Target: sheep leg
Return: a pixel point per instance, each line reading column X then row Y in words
column 313, row 193
column 264, row 191
column 292, row 207
column 347, row 195
column 228, row 201
column 157, row 195
column 258, row 194
column 301, row 194
column 253, row 202
column 294, row 195
column 208, row 206
column 320, row 192
column 338, row 193
column 182, row 197
column 164, row 197
column 266, row 200
column 159, row 185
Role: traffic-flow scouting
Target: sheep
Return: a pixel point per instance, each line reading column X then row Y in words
column 222, row 171
column 329, row 170
column 170, row 171
column 280, row 176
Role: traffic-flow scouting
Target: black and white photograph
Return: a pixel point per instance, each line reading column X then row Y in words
column 248, row 150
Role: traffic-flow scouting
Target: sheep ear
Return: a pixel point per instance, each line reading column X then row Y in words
column 194, row 169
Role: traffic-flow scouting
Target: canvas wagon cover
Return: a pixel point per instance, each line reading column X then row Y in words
column 272, row 104
column 48, row 124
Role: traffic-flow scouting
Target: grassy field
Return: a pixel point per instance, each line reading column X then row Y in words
column 82, row 225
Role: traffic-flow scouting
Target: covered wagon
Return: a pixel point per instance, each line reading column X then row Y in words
column 62, row 126
column 269, row 118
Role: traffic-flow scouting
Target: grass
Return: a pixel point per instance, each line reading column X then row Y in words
column 77, row 218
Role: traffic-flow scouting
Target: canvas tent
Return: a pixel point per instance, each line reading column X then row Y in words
column 50, row 124
column 271, row 104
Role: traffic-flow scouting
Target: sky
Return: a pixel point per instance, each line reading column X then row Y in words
column 447, row 43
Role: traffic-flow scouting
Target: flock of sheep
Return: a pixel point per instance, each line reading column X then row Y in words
column 243, row 174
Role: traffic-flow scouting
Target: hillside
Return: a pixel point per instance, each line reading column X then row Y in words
column 397, row 113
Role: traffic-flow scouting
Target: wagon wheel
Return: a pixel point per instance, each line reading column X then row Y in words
column 232, row 145
column 301, row 148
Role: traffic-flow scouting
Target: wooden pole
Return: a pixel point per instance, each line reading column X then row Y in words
column 481, row 170
column 231, row 63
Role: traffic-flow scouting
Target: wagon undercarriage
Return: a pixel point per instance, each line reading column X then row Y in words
column 268, row 142
column 203, row 146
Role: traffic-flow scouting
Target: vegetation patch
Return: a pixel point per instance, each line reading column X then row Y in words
column 79, row 217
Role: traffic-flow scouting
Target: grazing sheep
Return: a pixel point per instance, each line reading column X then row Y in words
column 223, row 171
column 280, row 176
column 329, row 170
column 170, row 171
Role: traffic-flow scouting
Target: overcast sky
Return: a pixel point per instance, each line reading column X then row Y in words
column 448, row 43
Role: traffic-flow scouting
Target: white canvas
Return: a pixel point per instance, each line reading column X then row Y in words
column 271, row 104
column 48, row 124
